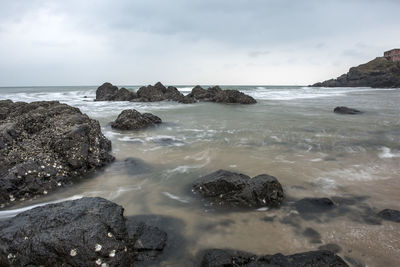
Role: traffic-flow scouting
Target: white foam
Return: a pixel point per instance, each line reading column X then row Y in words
column 174, row 197
column 387, row 154
column 263, row 209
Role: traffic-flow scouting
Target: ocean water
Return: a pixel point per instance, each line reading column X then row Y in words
column 291, row 133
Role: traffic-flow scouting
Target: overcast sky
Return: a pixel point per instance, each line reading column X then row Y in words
column 270, row 42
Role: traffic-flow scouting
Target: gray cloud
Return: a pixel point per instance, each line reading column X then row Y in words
column 189, row 41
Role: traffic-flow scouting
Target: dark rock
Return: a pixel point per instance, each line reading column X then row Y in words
column 389, row 214
column 218, row 257
column 131, row 119
column 216, row 94
column 379, row 73
column 346, row 110
column 147, row 241
column 109, row 92
column 314, row 205
column 312, row 235
column 239, row 190
column 159, row 92
column 84, row 232
column 44, row 145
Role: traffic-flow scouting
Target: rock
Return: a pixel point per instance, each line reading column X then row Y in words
column 379, row 73
column 238, row 190
column 131, row 119
column 147, row 241
column 109, row 92
column 346, row 110
column 83, row 232
column 44, row 145
column 159, row 92
column 216, row 94
column 314, row 205
column 218, row 257
column 389, row 214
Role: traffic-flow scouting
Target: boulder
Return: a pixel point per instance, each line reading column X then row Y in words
column 225, row 188
column 216, row 94
column 83, row 232
column 346, row 110
column 390, row 215
column 109, row 92
column 131, row 119
column 314, row 205
column 219, row 257
column 45, row 145
column 379, row 73
column 159, row 92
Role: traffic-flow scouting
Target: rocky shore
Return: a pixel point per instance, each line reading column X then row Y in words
column 45, row 145
column 379, row 73
column 158, row 92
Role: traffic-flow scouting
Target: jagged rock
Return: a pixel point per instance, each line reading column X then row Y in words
column 346, row 110
column 389, row 214
column 379, row 73
column 233, row 189
column 219, row 258
column 216, row 94
column 131, row 119
column 109, row 92
column 83, row 232
column 44, row 145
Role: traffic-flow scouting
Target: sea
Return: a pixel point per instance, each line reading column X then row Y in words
column 292, row 133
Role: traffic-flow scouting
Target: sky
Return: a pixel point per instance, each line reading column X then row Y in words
column 210, row 42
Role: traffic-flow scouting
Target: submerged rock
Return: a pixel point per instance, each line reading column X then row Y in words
column 314, row 205
column 109, row 92
column 390, row 215
column 84, row 232
column 216, row 94
column 131, row 119
column 218, row 257
column 379, row 73
column 44, row 145
column 346, row 110
column 238, row 190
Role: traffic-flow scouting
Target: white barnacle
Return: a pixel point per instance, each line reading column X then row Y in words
column 97, row 247
column 110, row 234
column 48, row 174
column 264, row 201
column 42, row 167
column 29, row 171
column 26, row 238
column 45, row 192
column 10, row 256
column 59, row 184
column 126, row 249
column 98, row 261
column 104, row 264
column 112, row 253
column 19, row 176
column 73, row 252
column 12, row 198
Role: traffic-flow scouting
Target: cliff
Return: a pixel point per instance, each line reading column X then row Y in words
column 379, row 73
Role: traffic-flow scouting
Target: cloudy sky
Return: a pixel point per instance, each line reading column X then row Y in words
column 135, row 42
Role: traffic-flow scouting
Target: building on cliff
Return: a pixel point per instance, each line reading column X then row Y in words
column 393, row 55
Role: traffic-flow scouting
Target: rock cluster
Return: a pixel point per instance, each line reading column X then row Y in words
column 43, row 145
column 218, row 257
column 84, row 232
column 158, row 92
column 225, row 188
column 109, row 92
column 379, row 73
column 131, row 119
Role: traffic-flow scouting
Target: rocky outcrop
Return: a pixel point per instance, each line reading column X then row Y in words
column 131, row 119
column 390, row 215
column 379, row 73
column 159, row 92
column 84, row 232
column 216, row 94
column 219, row 257
column 225, row 188
column 346, row 110
column 44, row 145
column 109, row 92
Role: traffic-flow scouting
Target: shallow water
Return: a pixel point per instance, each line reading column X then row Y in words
column 291, row 134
